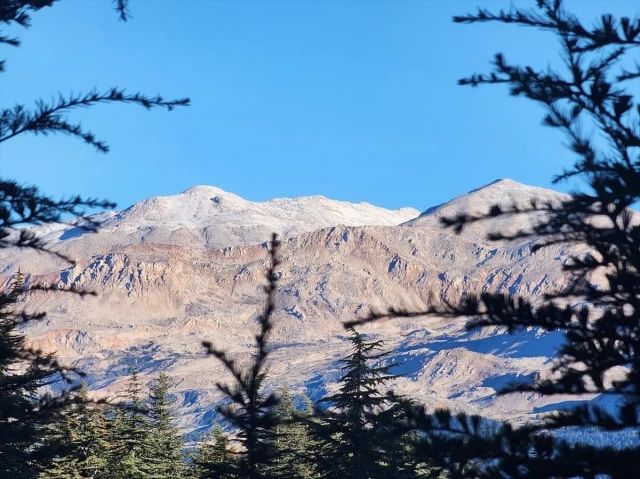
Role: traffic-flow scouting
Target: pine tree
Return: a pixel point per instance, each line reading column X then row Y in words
column 213, row 457
column 293, row 445
column 24, row 412
column 128, row 439
column 603, row 336
column 251, row 409
column 80, row 438
column 164, row 459
column 24, row 205
column 351, row 433
column 397, row 446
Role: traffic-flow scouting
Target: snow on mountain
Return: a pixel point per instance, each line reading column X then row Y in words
column 203, row 217
column 203, row 206
column 501, row 191
column 223, row 219
column 172, row 271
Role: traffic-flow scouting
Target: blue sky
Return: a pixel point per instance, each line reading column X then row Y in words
column 353, row 100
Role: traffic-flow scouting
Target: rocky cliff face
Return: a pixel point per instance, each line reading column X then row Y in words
column 173, row 271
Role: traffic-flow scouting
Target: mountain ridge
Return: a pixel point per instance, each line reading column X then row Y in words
column 163, row 291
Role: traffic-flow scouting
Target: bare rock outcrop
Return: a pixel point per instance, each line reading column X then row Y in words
column 172, row 271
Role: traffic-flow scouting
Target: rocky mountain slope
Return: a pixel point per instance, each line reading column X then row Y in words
column 173, row 271
column 204, row 217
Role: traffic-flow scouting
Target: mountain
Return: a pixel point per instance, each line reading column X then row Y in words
column 203, row 217
column 173, row 271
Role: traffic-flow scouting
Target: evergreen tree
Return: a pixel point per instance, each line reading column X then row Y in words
column 24, row 412
column 213, row 457
column 80, row 438
column 293, row 445
column 164, row 459
column 24, row 205
column 351, row 433
column 251, row 408
column 128, row 438
column 397, row 446
column 603, row 336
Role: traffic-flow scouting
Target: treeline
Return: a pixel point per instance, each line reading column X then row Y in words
column 357, row 432
column 138, row 438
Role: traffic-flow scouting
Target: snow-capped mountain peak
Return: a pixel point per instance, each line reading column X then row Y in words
column 174, row 270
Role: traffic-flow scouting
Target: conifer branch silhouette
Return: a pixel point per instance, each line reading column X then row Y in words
column 24, row 409
column 251, row 410
column 22, row 206
column 47, row 117
column 122, row 8
column 605, row 335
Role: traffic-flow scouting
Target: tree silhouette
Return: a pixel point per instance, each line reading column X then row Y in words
column 25, row 411
column 213, row 456
column 129, row 431
column 164, row 459
column 79, row 438
column 294, row 448
column 25, row 205
column 250, row 410
column 350, row 434
column 604, row 336
column 21, row 415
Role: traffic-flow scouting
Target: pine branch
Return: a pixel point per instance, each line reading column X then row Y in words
column 552, row 17
column 122, row 7
column 48, row 118
column 605, row 335
column 251, row 411
column 22, row 206
column 19, row 12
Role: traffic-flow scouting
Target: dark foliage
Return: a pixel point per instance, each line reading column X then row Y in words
column 127, row 432
column 213, row 455
column 25, row 412
column 19, row 12
column 24, row 205
column 250, row 411
column 367, row 434
column 351, row 430
column 295, row 451
column 165, row 442
column 605, row 335
column 79, row 439
column 19, row 453
column 133, row 438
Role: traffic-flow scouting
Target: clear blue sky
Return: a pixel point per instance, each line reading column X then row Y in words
column 354, row 100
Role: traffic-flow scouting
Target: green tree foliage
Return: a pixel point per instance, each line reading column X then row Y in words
column 397, row 446
column 79, row 437
column 23, row 413
column 25, row 205
column 130, row 439
column 350, row 434
column 23, row 410
column 597, row 91
column 214, row 457
column 164, row 459
column 250, row 410
column 129, row 429
column 294, row 448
